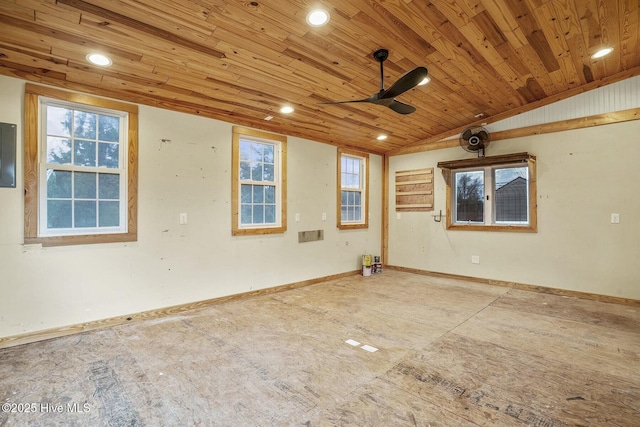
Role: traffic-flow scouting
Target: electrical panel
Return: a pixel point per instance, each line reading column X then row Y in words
column 7, row 155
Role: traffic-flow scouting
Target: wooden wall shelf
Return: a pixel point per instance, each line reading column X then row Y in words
column 414, row 190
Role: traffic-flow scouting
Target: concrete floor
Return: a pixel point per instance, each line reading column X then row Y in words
column 449, row 353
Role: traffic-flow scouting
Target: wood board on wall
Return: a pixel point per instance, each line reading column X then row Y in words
column 414, row 190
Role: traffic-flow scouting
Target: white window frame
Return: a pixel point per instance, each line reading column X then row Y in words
column 489, row 196
column 279, row 143
column 363, row 189
column 44, row 167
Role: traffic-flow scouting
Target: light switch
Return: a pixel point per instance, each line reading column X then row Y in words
column 183, row 218
column 615, row 218
column 324, row 216
column 297, row 217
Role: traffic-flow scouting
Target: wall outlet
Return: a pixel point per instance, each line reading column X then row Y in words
column 297, row 217
column 475, row 259
column 324, row 216
column 615, row 218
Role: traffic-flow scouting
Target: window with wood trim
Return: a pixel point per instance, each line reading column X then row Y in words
column 81, row 157
column 353, row 189
column 492, row 193
column 259, row 182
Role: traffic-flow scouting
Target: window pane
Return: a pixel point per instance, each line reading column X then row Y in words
column 246, row 214
column 59, row 213
column 258, row 194
column 270, row 194
column 84, row 125
column 58, row 150
column 357, row 198
column 270, row 214
column 59, row 121
column 343, row 197
column 258, row 214
column 109, row 128
column 256, row 152
column 269, row 173
column 349, row 213
column 511, row 200
column 109, row 214
column 268, row 156
column 84, row 186
column 351, row 199
column 84, row 214
column 469, row 196
column 108, row 155
column 59, row 185
column 245, row 171
column 357, row 214
column 245, row 150
column 84, row 153
column 256, row 171
column 245, row 193
column 343, row 213
column 109, row 186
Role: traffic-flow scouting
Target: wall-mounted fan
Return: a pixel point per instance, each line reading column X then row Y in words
column 407, row 81
column 475, row 139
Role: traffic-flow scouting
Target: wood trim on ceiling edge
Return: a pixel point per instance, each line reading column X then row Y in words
column 524, row 287
column 560, row 126
column 30, row 337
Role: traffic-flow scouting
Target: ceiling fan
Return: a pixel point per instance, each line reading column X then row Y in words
column 386, row 97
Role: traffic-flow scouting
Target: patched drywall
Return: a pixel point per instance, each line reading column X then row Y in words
column 184, row 167
column 583, row 177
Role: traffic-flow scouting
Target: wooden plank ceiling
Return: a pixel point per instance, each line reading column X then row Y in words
column 240, row 61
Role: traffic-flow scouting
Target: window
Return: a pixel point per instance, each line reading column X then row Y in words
column 492, row 193
column 353, row 189
column 80, row 168
column 259, row 177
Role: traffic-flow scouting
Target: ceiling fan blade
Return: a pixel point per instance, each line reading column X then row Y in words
column 373, row 98
column 407, row 81
column 401, row 107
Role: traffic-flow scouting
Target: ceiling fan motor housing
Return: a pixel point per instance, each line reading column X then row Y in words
column 474, row 140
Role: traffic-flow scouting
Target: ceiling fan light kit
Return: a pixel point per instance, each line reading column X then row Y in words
column 386, row 97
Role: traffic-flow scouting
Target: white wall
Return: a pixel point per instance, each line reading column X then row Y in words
column 583, row 176
column 170, row 263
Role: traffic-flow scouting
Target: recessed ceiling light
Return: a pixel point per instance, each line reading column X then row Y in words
column 381, row 137
column 287, row 109
column 424, row 81
column 602, row 52
column 99, row 59
column 318, row 17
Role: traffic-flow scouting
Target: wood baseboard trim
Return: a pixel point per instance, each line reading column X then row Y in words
column 30, row 337
column 522, row 286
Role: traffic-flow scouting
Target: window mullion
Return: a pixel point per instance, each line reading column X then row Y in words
column 488, row 196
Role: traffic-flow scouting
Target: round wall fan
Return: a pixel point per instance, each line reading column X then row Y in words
column 475, row 139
